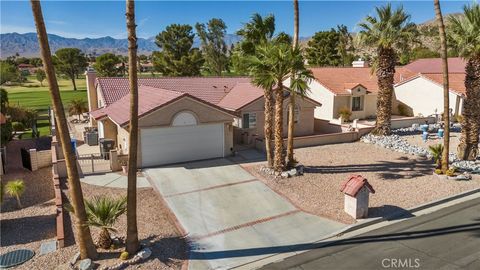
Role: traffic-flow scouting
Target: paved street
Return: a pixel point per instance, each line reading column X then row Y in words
column 446, row 239
column 231, row 218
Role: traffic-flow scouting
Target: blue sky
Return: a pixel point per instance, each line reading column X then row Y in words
column 81, row 19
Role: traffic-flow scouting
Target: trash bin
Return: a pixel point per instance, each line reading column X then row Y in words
column 440, row 132
column 73, row 141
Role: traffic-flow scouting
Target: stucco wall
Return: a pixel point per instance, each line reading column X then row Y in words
column 165, row 115
column 423, row 96
column 305, row 125
column 320, row 94
column 122, row 138
column 109, row 130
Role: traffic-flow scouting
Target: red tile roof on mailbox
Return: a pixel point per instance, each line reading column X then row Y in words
column 353, row 185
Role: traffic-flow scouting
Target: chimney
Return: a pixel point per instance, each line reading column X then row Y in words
column 359, row 63
column 91, row 76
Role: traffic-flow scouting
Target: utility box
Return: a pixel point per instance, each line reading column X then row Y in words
column 357, row 191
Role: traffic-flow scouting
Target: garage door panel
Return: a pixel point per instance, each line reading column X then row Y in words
column 179, row 144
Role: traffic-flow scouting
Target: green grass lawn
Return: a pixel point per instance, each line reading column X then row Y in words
column 32, row 95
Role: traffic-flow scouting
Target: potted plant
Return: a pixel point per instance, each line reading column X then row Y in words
column 124, row 164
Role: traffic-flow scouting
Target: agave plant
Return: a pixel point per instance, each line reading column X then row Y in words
column 103, row 212
column 436, row 151
column 15, row 189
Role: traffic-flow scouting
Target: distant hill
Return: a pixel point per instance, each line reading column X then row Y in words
column 26, row 44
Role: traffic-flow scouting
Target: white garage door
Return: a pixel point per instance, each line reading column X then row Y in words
column 179, row 144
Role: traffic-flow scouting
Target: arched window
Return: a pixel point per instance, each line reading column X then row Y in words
column 184, row 119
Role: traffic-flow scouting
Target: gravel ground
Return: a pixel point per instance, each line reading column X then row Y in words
column 400, row 182
column 35, row 224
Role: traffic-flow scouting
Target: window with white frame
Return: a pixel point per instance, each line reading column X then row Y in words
column 249, row 120
column 357, row 103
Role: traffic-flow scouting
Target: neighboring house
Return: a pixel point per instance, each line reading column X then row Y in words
column 185, row 118
column 422, row 93
column 418, row 86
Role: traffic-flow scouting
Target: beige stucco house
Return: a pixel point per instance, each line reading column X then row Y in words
column 186, row 118
column 418, row 86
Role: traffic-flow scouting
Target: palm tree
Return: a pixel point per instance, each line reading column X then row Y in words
column 103, row 213
column 77, row 107
column 15, row 189
column 132, row 244
column 390, row 31
column 272, row 64
column 291, row 105
column 259, row 30
column 85, row 242
column 464, row 32
column 446, row 92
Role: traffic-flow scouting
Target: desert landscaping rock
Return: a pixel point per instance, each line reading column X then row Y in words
column 397, row 143
column 85, row 264
column 75, row 258
column 145, row 253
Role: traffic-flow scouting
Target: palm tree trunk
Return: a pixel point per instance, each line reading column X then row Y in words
column 104, row 239
column 18, row 201
column 468, row 147
column 295, row 23
column 446, row 101
column 278, row 161
column 85, row 242
column 385, row 73
column 291, row 130
column 132, row 244
column 291, row 105
column 268, row 126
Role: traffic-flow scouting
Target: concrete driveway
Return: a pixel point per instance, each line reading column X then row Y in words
column 232, row 218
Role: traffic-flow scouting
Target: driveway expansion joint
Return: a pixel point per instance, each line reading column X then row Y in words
column 210, row 188
column 244, row 225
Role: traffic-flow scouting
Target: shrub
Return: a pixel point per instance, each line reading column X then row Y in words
column 450, row 172
column 124, row 256
column 403, row 110
column 438, row 171
column 15, row 189
column 345, row 113
column 18, row 126
column 103, row 212
column 437, row 151
column 458, row 118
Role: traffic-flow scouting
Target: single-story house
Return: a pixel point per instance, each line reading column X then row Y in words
column 422, row 92
column 185, row 118
column 418, row 86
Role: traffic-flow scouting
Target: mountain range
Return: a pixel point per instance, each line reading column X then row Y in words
column 27, row 44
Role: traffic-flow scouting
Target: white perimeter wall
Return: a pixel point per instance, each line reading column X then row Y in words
column 423, row 96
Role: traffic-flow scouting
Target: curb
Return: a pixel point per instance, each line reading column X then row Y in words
column 354, row 227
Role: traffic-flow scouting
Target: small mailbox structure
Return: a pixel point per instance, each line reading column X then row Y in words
column 356, row 190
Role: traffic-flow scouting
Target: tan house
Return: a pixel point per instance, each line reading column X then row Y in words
column 185, row 118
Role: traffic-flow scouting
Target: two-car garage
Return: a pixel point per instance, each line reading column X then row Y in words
column 166, row 145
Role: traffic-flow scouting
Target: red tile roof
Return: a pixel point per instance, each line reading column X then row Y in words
column 434, row 65
column 353, row 185
column 149, row 99
column 210, row 89
column 240, row 95
column 340, row 79
column 456, row 81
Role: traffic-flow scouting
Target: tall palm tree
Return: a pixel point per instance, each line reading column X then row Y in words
column 85, row 242
column 103, row 213
column 390, row 31
column 291, row 104
column 132, row 244
column 465, row 35
column 258, row 30
column 272, row 64
column 446, row 92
